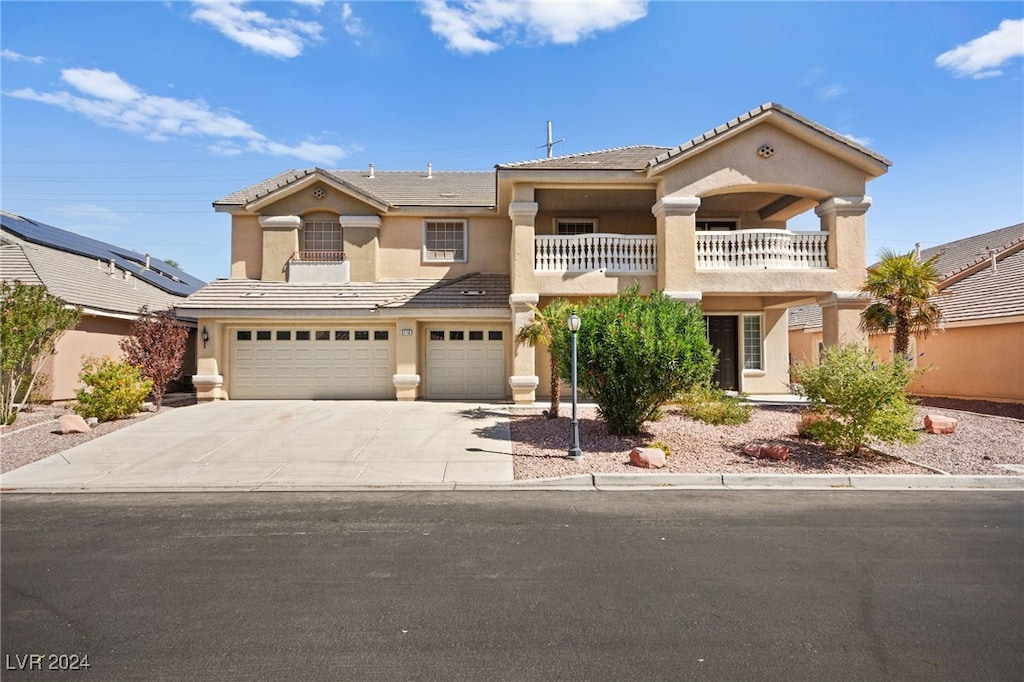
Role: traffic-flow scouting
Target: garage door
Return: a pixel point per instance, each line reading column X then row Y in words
column 465, row 363
column 329, row 363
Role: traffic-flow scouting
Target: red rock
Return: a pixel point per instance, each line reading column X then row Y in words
column 647, row 458
column 767, row 451
column 72, row 423
column 937, row 423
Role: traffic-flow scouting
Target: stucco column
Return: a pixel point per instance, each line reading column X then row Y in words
column 208, row 380
column 280, row 242
column 677, row 228
column 362, row 246
column 845, row 220
column 840, row 317
column 524, row 379
column 406, row 379
column 523, row 215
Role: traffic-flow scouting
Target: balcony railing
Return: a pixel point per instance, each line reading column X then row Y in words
column 766, row 249
column 589, row 252
column 319, row 256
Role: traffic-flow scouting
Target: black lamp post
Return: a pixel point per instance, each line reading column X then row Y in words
column 574, row 451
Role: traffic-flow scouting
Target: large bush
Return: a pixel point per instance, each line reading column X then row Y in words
column 854, row 396
column 712, row 405
column 31, row 322
column 156, row 346
column 636, row 354
column 112, row 389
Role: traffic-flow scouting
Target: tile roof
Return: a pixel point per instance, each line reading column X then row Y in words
column 392, row 188
column 972, row 290
column 84, row 281
column 754, row 114
column 157, row 273
column 253, row 295
column 15, row 265
column 635, row 158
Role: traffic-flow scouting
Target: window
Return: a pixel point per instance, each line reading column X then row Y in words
column 244, row 336
column 444, row 241
column 752, row 342
column 380, row 335
column 323, row 336
column 284, row 336
column 494, row 336
column 717, row 224
column 263, row 335
column 456, row 336
column 341, row 335
column 574, row 226
column 362, row 336
column 302, row 336
column 476, row 336
column 436, row 335
column 322, row 241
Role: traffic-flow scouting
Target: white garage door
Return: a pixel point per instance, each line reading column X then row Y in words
column 465, row 363
column 329, row 363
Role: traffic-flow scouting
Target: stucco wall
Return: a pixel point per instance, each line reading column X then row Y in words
column 615, row 222
column 401, row 244
column 93, row 336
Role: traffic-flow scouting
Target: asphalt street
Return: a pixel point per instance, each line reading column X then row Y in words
column 680, row 585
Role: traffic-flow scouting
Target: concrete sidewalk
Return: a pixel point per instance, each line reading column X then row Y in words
column 275, row 445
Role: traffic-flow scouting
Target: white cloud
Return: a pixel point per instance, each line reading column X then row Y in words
column 831, row 91
column 256, row 30
column 483, row 26
column 15, row 57
column 862, row 141
column 982, row 57
column 352, row 24
column 107, row 99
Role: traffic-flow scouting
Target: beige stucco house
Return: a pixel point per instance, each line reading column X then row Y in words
column 412, row 284
column 978, row 351
column 110, row 284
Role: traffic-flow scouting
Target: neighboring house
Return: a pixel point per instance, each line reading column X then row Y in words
column 409, row 284
column 108, row 282
column 978, row 353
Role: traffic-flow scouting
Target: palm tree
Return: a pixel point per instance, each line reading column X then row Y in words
column 902, row 286
column 542, row 330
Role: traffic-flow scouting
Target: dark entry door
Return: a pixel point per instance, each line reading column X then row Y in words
column 723, row 333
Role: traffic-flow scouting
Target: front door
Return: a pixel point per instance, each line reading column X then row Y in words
column 723, row 333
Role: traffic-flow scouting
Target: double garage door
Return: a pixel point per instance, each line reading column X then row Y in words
column 357, row 362
column 329, row 363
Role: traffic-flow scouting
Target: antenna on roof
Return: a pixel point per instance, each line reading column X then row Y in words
column 550, row 143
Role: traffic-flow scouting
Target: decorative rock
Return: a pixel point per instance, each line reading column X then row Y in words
column 72, row 423
column 779, row 453
column 647, row 458
column 937, row 423
column 92, row 421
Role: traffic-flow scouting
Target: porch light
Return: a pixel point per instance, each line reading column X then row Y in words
column 205, row 336
column 575, row 452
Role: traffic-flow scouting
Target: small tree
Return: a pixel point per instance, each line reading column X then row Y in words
column 542, row 331
column 636, row 354
column 902, row 286
column 855, row 395
column 31, row 322
column 156, row 346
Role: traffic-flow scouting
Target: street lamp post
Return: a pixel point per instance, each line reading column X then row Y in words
column 574, row 452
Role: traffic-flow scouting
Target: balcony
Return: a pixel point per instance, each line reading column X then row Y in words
column 762, row 249
column 318, row 267
column 614, row 253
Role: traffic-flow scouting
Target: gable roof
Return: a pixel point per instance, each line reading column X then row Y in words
column 475, row 189
column 972, row 289
column 635, row 158
column 78, row 269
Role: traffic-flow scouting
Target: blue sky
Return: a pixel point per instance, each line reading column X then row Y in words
column 125, row 120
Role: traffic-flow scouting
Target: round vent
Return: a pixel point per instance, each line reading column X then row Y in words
column 765, row 151
column 319, row 193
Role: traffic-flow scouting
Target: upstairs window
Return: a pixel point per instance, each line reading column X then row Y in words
column 717, row 224
column 444, row 241
column 322, row 241
column 567, row 227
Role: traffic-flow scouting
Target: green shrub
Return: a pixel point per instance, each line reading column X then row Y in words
column 663, row 446
column 113, row 389
column 712, row 405
column 636, row 354
column 854, row 395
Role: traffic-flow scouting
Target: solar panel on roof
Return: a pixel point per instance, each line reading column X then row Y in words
column 161, row 275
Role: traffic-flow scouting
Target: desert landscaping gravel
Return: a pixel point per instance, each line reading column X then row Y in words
column 980, row 444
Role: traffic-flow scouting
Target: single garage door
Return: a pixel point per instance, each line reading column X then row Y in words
column 329, row 363
column 465, row 363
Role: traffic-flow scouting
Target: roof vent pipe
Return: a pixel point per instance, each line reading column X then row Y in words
column 917, row 251
column 111, row 268
column 992, row 257
column 147, row 262
column 430, row 171
column 371, row 171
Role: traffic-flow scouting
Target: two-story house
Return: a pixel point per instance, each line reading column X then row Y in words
column 412, row 284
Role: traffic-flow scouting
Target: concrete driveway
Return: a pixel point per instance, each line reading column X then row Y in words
column 275, row 445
